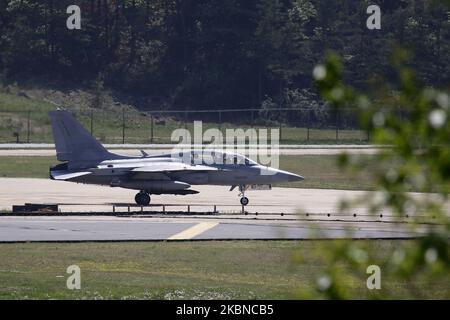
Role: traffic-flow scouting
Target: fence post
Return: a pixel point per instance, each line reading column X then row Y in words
column 254, row 131
column 185, row 124
column 151, row 128
column 279, row 127
column 307, row 125
column 92, row 122
column 337, row 125
column 28, row 126
column 123, row 125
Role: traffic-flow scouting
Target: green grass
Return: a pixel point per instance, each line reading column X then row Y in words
column 320, row 171
column 26, row 167
column 183, row 270
column 323, row 172
column 17, row 120
column 34, row 127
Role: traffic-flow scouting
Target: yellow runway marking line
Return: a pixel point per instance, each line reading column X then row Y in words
column 193, row 231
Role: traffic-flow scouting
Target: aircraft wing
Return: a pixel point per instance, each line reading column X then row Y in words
column 167, row 167
column 161, row 171
column 67, row 175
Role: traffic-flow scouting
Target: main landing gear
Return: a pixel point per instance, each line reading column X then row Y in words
column 142, row 198
column 244, row 200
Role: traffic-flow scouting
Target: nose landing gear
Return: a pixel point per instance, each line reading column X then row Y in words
column 244, row 200
column 142, row 198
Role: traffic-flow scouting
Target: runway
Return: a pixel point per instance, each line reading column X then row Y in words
column 307, row 214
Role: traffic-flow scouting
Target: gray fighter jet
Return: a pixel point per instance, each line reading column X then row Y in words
column 85, row 160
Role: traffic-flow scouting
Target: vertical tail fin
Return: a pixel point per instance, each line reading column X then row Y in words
column 72, row 141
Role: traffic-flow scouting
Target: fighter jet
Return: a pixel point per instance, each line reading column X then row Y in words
column 85, row 160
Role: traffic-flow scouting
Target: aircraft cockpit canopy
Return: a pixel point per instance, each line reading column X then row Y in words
column 213, row 157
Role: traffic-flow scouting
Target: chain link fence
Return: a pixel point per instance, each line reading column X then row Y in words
column 123, row 125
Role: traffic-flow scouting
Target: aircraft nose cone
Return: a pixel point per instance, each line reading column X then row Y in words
column 292, row 177
column 286, row 176
column 280, row 176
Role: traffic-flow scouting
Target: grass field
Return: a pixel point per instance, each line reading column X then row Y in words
column 183, row 270
column 110, row 126
column 320, row 171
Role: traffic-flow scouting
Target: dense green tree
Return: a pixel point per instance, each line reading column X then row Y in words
column 216, row 54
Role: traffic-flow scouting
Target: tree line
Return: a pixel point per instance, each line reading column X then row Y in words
column 208, row 54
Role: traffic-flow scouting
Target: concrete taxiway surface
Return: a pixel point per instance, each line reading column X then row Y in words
column 322, row 221
column 133, row 150
column 169, row 146
column 73, row 197
column 13, row 229
column 128, row 152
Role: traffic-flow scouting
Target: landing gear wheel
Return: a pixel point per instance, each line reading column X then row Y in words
column 244, row 201
column 142, row 199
